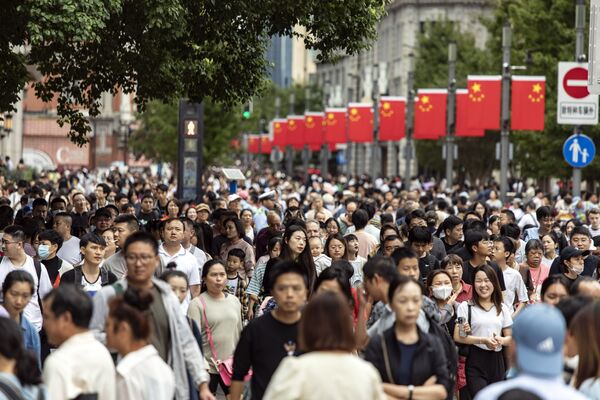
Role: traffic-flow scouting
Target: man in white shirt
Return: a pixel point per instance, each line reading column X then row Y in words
column 593, row 217
column 171, row 250
column 15, row 258
column 538, row 335
column 125, row 225
column 504, row 248
column 188, row 234
column 81, row 365
column 70, row 249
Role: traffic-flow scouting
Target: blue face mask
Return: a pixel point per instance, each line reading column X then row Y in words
column 43, row 251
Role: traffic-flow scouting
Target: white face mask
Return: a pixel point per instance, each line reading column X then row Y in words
column 442, row 292
column 577, row 270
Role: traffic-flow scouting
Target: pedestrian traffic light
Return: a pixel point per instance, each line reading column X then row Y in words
column 247, row 110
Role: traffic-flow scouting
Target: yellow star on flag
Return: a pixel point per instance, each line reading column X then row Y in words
column 386, row 106
column 476, row 87
column 425, row 99
column 309, row 120
column 330, row 116
column 354, row 111
column 536, row 88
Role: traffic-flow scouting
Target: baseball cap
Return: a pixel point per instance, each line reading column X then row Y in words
column 270, row 195
column 539, row 333
column 203, row 207
column 569, row 252
column 233, row 197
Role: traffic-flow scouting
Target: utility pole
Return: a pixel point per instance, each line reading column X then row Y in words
column 325, row 146
column 410, row 109
column 306, row 151
column 276, row 150
column 505, row 127
column 375, row 146
column 451, row 116
column 579, row 57
column 289, row 152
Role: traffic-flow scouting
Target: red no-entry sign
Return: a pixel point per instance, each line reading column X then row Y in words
column 575, row 82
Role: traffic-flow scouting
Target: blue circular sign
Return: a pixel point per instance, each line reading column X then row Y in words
column 579, row 150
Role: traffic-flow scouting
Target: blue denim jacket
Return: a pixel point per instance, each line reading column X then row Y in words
column 31, row 339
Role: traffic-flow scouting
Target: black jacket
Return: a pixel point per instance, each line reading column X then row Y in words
column 429, row 359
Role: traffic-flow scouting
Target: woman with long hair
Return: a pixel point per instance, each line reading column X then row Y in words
column 17, row 289
column 141, row 373
column 18, row 366
column 554, row 288
column 247, row 218
column 173, row 209
column 295, row 248
column 234, row 232
column 411, row 362
column 490, row 322
column 326, row 339
column 218, row 315
column 551, row 243
column 584, row 329
column 332, row 226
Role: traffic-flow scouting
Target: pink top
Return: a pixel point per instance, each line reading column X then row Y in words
column 538, row 275
column 466, row 293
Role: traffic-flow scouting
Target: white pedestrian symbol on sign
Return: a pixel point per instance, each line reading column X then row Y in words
column 575, row 149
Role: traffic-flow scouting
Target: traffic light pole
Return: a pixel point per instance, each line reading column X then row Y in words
column 451, row 116
column 579, row 57
column 289, row 152
column 410, row 109
column 505, row 127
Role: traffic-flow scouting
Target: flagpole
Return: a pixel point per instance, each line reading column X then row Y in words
column 289, row 152
column 451, row 116
column 410, row 106
column 505, row 119
column 579, row 57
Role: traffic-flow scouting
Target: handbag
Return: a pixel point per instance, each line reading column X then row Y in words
column 225, row 367
column 386, row 360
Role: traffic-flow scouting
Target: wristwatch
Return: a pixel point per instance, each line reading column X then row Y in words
column 411, row 388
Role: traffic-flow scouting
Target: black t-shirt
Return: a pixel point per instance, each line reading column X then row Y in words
column 450, row 248
column 468, row 275
column 263, row 344
column 462, row 252
column 52, row 266
column 426, row 265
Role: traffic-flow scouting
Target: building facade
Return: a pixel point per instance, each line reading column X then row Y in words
column 352, row 79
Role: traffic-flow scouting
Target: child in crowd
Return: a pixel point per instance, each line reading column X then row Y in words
column 255, row 286
column 316, row 250
column 421, row 241
column 357, row 261
column 236, row 284
column 178, row 281
column 515, row 296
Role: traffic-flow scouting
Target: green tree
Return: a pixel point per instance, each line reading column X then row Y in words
column 163, row 50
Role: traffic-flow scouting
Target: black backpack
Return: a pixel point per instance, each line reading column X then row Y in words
column 78, row 274
column 449, row 350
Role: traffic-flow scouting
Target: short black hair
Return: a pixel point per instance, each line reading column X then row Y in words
column 509, row 214
column 239, row 253
column 105, row 188
column 7, row 215
column 419, row 234
column 508, row 243
column 132, row 222
column 474, row 237
column 415, row 214
column 474, row 225
column 143, row 237
column 287, row 267
column 543, row 212
column 52, row 236
column 92, row 238
column 401, row 253
column 360, row 219
column 581, row 230
column 39, row 202
column 382, row 266
column 69, row 298
column 57, row 200
column 511, row 230
column 16, row 231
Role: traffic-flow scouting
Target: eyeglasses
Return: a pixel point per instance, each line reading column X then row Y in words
column 133, row 258
column 4, row 242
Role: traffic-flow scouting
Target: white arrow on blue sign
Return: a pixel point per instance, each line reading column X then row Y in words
column 579, row 150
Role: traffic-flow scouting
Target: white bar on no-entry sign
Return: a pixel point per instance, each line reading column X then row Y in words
column 576, row 82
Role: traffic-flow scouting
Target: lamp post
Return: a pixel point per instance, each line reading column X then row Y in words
column 451, row 117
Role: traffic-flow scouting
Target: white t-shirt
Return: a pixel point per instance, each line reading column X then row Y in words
column 515, row 288
column 594, row 232
column 232, row 284
column 185, row 261
column 32, row 310
column 70, row 251
column 486, row 323
column 91, row 288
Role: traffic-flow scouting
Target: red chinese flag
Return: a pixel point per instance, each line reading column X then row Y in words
column 253, row 144
column 295, row 131
column 430, row 113
column 335, row 125
column 528, row 103
column 265, row 144
column 461, row 127
column 484, row 101
column 314, row 130
column 360, row 123
column 392, row 115
column 279, row 128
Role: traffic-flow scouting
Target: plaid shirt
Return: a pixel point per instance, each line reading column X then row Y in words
column 240, row 293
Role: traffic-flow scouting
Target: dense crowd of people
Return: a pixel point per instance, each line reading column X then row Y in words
column 113, row 288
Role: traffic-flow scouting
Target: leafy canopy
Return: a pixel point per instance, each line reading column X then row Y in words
column 163, row 49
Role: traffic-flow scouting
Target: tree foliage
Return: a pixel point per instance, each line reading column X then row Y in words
column 163, row 49
column 157, row 137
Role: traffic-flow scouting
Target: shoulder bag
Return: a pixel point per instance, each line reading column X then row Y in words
column 225, row 367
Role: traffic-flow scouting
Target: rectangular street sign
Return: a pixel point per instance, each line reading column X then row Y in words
column 575, row 105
